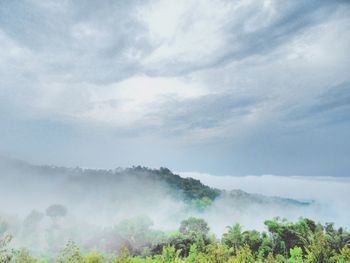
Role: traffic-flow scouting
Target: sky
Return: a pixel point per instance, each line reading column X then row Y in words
column 220, row 87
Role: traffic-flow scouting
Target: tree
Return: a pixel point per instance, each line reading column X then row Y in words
column 5, row 252
column 181, row 242
column 286, row 235
column 192, row 231
column 337, row 238
column 202, row 203
column 233, row 238
column 32, row 221
column 344, row 256
column 216, row 252
column 56, row 211
column 244, row 255
column 194, row 227
column 170, row 254
column 265, row 248
column 23, row 256
column 71, row 254
column 320, row 251
column 253, row 239
column 94, row 258
column 137, row 235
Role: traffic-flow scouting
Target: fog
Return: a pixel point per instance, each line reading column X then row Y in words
column 332, row 194
column 101, row 207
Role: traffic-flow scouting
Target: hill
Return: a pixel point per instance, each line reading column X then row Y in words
column 189, row 190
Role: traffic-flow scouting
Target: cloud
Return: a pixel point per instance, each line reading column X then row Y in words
column 221, row 31
column 237, row 74
column 130, row 103
column 331, row 107
column 183, row 39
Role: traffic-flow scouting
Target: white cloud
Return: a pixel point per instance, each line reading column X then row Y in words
column 183, row 36
column 130, row 102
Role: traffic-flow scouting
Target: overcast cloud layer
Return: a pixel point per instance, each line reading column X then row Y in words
column 224, row 87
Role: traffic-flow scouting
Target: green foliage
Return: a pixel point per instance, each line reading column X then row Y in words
column 181, row 242
column 192, row 244
column 254, row 239
column 319, row 251
column 138, row 236
column 194, row 255
column 192, row 230
column 71, row 254
column 265, row 248
column 171, row 254
column 124, row 256
column 296, row 255
column 23, row 256
column 194, row 227
column 244, row 255
column 337, row 238
column 233, row 238
column 94, row 258
column 216, row 252
column 286, row 235
column 344, row 256
column 189, row 188
column 202, row 203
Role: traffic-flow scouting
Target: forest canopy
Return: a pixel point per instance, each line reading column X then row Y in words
column 283, row 241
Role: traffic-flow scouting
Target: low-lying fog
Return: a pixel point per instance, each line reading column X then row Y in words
column 331, row 193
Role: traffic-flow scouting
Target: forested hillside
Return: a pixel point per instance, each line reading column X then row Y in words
column 188, row 189
column 139, row 214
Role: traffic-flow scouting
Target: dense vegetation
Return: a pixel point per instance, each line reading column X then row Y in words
column 190, row 189
column 298, row 242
